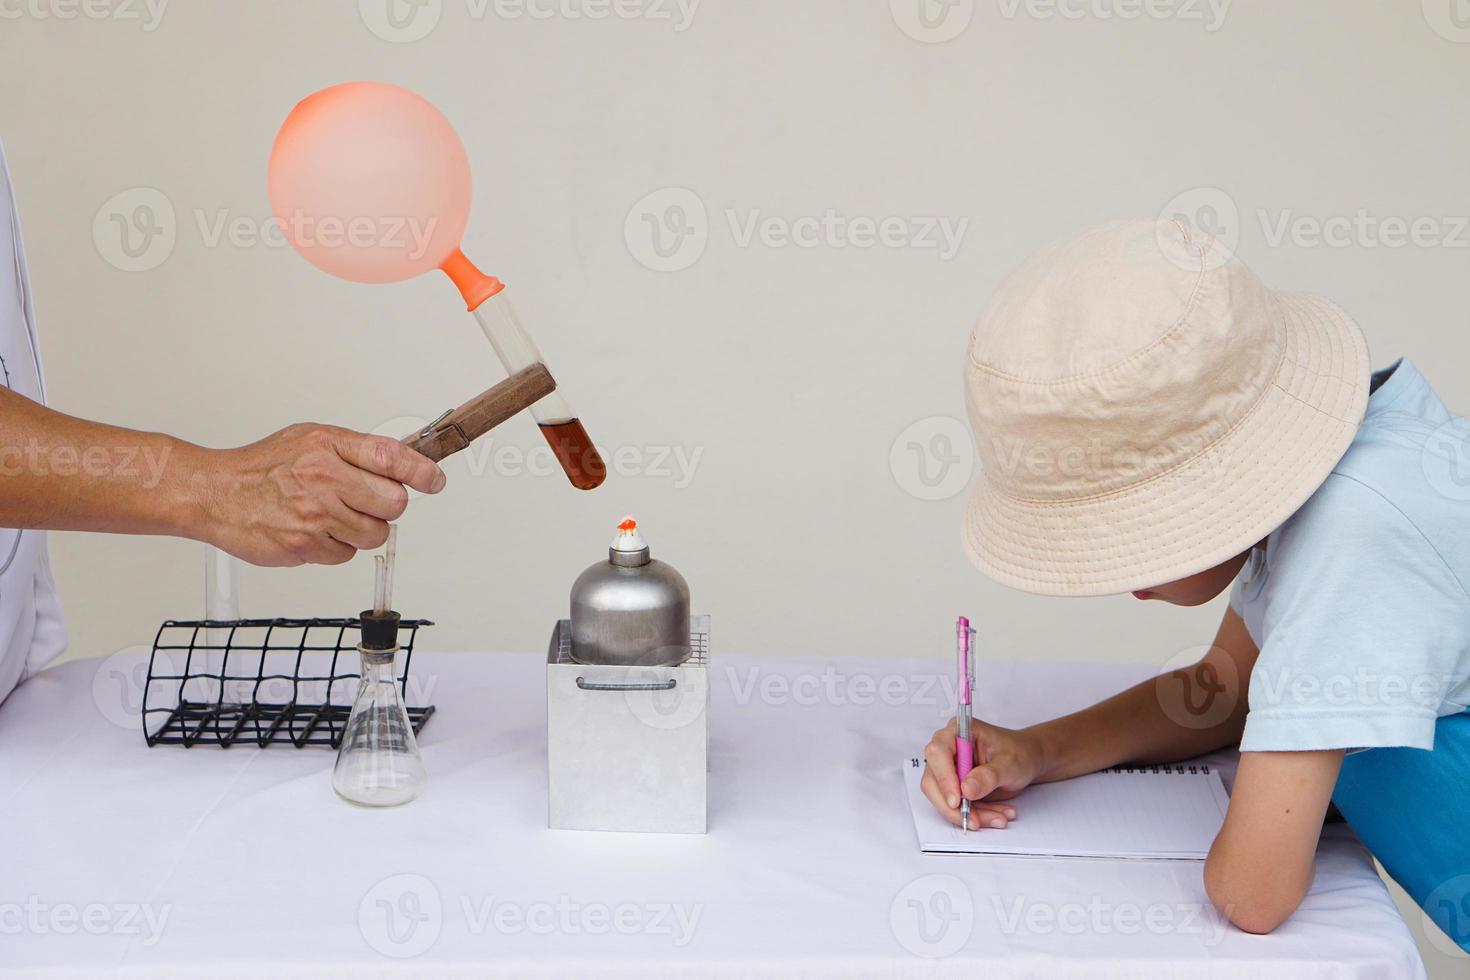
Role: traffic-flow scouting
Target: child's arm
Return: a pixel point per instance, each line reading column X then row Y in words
column 1262, row 863
column 1177, row 715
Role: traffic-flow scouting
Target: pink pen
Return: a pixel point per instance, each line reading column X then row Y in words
column 964, row 749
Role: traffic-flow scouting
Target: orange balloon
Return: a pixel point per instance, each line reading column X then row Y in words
column 370, row 183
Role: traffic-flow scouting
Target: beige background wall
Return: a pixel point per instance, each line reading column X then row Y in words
column 780, row 412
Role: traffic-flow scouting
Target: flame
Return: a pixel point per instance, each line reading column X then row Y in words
column 628, row 526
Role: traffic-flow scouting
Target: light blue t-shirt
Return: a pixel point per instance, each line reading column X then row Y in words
column 1360, row 612
column 1359, row 604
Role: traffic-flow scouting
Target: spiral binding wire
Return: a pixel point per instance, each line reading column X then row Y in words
column 1194, row 768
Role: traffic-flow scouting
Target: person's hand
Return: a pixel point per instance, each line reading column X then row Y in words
column 310, row 494
column 1006, row 762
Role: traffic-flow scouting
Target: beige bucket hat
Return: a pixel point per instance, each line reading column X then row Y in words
column 1144, row 409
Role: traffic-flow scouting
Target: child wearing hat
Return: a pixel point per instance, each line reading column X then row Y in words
column 1150, row 418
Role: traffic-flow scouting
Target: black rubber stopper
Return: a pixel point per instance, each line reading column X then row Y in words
column 379, row 632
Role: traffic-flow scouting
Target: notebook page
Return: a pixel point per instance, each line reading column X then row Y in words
column 1140, row 814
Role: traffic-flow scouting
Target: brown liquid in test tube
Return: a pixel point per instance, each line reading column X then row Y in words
column 575, row 452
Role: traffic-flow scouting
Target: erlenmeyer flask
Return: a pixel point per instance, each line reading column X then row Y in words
column 378, row 763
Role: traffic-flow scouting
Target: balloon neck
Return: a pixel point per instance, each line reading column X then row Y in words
column 473, row 285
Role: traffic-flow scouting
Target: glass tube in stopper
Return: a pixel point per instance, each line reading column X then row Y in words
column 563, row 430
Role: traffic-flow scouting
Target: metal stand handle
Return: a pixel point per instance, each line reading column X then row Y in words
column 668, row 685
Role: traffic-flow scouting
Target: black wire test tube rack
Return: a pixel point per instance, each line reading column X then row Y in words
column 260, row 680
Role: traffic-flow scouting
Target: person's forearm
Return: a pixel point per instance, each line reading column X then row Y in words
column 63, row 473
column 1129, row 727
column 1177, row 715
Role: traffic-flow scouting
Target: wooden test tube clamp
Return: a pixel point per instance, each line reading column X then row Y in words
column 457, row 428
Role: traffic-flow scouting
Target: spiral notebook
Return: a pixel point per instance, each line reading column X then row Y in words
column 1154, row 812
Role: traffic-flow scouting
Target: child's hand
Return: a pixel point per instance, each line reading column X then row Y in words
column 1006, row 762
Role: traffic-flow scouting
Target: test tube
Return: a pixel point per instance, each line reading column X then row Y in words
column 383, row 584
column 561, row 427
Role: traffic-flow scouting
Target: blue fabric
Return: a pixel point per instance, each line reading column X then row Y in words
column 1410, row 808
column 1358, row 604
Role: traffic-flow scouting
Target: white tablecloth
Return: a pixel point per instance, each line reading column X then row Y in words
column 117, row 859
